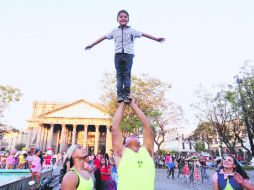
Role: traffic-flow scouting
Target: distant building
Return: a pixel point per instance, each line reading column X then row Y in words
column 11, row 138
column 58, row 125
column 174, row 140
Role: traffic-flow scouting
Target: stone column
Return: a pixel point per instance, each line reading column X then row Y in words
column 74, row 132
column 62, row 138
column 42, row 136
column 58, row 140
column 45, row 142
column 33, row 137
column 20, row 138
column 28, row 138
column 50, row 136
column 97, row 135
column 108, row 140
column 39, row 135
column 85, row 136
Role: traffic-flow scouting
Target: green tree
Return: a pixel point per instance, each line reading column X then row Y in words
column 217, row 110
column 204, row 133
column 161, row 120
column 148, row 92
column 200, row 146
column 20, row 146
column 241, row 97
column 207, row 133
column 150, row 95
column 7, row 95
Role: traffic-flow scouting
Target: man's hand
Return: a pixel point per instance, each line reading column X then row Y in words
column 133, row 102
column 160, row 40
column 89, row 47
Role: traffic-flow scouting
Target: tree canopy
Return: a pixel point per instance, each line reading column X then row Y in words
column 8, row 95
column 229, row 110
column 149, row 93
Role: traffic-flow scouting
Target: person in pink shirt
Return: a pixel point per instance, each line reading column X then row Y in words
column 197, row 177
column 168, row 159
column 186, row 172
column 10, row 160
column 35, row 165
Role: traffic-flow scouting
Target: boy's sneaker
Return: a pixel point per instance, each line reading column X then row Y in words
column 127, row 99
column 119, row 99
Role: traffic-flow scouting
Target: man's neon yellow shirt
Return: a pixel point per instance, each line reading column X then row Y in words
column 136, row 170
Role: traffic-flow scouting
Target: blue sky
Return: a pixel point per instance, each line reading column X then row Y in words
column 42, row 47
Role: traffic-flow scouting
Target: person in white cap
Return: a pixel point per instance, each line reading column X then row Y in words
column 77, row 177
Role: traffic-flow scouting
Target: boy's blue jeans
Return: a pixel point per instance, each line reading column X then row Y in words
column 123, row 64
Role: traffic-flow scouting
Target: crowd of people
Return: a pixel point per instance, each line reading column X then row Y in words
column 195, row 169
column 123, row 171
column 131, row 164
column 35, row 161
column 15, row 159
column 99, row 169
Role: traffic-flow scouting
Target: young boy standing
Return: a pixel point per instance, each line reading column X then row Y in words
column 123, row 37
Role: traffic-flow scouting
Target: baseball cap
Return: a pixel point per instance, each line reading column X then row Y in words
column 37, row 150
column 70, row 150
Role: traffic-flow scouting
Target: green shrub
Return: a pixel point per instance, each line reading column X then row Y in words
column 162, row 152
column 20, row 146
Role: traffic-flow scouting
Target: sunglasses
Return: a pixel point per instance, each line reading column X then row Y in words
column 79, row 147
column 228, row 160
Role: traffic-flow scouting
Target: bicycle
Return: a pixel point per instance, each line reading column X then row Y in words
column 46, row 182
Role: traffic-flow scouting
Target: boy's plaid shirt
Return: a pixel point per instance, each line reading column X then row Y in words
column 124, row 39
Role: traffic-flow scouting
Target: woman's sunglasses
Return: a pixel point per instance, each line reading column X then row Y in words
column 228, row 160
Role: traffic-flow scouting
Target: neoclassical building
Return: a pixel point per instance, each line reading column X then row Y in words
column 58, row 125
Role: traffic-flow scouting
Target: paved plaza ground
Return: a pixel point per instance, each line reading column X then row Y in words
column 163, row 183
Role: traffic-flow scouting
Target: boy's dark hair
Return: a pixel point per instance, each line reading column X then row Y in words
column 123, row 11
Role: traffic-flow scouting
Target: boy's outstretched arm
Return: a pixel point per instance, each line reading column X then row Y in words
column 95, row 43
column 153, row 38
column 117, row 138
column 147, row 130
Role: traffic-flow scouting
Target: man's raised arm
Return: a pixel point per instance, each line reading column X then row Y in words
column 147, row 130
column 117, row 138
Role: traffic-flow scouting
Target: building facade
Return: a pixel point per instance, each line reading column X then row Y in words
column 175, row 140
column 12, row 137
column 58, row 125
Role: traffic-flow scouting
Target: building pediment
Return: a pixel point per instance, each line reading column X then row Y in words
column 78, row 109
